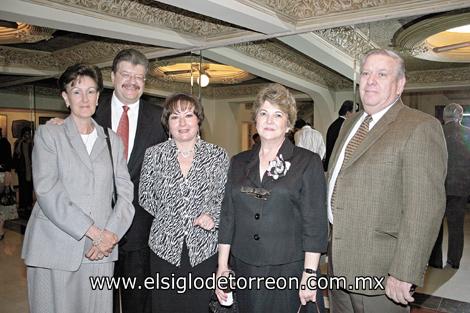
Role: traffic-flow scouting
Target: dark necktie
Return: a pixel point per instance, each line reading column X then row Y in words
column 123, row 129
column 355, row 141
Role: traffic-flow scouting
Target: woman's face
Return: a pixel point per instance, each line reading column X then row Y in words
column 271, row 122
column 82, row 98
column 183, row 123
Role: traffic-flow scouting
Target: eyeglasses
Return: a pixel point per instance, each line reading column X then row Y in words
column 129, row 76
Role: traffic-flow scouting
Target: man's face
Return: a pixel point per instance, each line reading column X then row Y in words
column 379, row 85
column 128, row 82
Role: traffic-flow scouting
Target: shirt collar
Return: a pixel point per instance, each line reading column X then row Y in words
column 118, row 104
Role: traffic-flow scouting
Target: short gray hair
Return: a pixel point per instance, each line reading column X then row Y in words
column 453, row 112
column 389, row 53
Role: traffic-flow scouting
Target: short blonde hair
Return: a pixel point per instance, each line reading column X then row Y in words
column 279, row 95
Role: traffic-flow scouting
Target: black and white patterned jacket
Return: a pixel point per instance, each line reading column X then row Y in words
column 176, row 201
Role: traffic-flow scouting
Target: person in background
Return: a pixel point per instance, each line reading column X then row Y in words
column 457, row 186
column 346, row 110
column 23, row 167
column 5, row 174
column 307, row 137
column 273, row 220
column 386, row 194
column 182, row 186
column 74, row 228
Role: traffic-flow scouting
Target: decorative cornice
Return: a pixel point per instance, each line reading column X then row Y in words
column 154, row 14
column 293, row 62
column 447, row 76
column 236, row 91
column 348, row 39
column 93, row 52
column 307, row 9
column 27, row 58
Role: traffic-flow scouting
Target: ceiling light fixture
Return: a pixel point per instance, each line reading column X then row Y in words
column 203, row 80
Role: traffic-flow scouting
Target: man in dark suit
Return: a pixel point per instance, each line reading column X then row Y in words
column 346, row 110
column 457, row 186
column 131, row 117
column 386, row 194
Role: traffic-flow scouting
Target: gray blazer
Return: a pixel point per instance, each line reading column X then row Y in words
column 74, row 191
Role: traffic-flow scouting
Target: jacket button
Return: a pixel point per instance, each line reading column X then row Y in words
column 256, row 237
column 257, row 216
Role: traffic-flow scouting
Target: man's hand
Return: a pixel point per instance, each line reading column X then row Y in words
column 399, row 291
column 55, row 121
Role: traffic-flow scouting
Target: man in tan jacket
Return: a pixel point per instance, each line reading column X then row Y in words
column 386, row 194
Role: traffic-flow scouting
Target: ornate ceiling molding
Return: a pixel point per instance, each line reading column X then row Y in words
column 446, row 76
column 412, row 39
column 227, row 92
column 348, row 39
column 24, row 33
column 93, row 52
column 293, row 62
column 308, row 9
column 37, row 60
column 153, row 14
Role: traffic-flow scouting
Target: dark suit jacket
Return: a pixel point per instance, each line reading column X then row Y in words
column 331, row 136
column 458, row 170
column 289, row 222
column 149, row 132
column 390, row 198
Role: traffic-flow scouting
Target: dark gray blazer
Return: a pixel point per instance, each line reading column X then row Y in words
column 74, row 191
column 293, row 218
column 458, row 166
column 149, row 133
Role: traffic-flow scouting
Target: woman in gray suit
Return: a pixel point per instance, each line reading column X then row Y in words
column 74, row 228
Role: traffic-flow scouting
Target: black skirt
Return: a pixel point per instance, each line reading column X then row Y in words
column 174, row 300
column 275, row 300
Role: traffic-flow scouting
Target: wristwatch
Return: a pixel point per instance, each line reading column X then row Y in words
column 310, row 271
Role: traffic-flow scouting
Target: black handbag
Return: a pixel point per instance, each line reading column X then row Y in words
column 8, row 196
column 216, row 307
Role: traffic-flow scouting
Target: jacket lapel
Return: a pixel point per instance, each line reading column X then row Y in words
column 346, row 129
column 252, row 168
column 141, row 134
column 378, row 131
column 100, row 142
column 76, row 142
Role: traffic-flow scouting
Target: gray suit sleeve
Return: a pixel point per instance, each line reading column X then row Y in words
column 123, row 212
column 51, row 195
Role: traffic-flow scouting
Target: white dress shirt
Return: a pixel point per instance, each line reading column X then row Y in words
column 375, row 118
column 310, row 139
column 132, row 113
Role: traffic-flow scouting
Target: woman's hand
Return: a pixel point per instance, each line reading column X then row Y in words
column 308, row 288
column 221, row 271
column 108, row 241
column 204, row 221
column 94, row 254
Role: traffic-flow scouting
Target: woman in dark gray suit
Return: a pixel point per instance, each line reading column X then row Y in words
column 273, row 219
column 73, row 229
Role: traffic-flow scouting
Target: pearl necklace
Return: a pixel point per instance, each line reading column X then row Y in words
column 186, row 154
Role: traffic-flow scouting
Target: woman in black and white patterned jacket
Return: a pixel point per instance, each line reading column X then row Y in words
column 182, row 186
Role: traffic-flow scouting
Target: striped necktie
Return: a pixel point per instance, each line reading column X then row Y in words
column 355, row 141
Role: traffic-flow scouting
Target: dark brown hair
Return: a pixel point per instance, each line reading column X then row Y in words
column 130, row 55
column 74, row 72
column 184, row 100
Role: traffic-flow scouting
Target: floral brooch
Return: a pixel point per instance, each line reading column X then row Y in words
column 278, row 167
